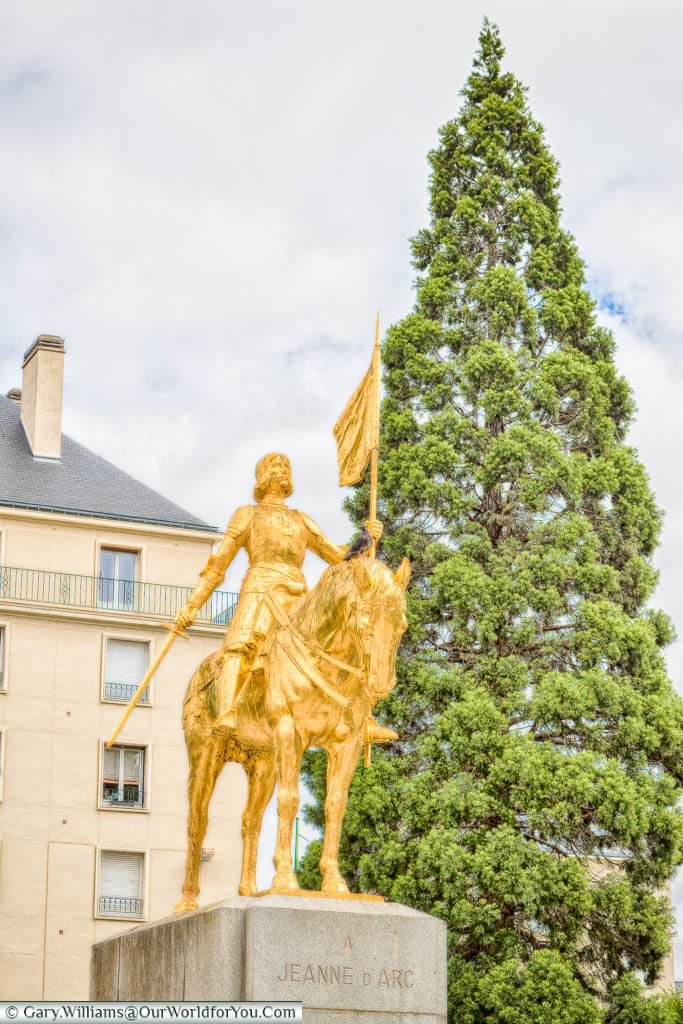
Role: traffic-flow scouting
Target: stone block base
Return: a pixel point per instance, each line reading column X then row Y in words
column 347, row 961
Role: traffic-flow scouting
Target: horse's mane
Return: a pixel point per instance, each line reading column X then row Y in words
column 338, row 583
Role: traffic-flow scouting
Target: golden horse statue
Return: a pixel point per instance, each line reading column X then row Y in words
column 324, row 663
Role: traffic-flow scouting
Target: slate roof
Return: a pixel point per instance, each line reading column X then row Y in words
column 81, row 483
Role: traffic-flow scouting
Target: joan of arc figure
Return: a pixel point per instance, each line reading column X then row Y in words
column 275, row 538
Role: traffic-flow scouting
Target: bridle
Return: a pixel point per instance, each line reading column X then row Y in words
column 302, row 650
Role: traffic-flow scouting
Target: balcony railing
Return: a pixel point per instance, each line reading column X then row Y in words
column 120, row 907
column 128, row 796
column 124, row 691
column 67, row 590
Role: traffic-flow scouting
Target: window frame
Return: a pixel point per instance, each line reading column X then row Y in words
column 99, row 915
column 4, row 654
column 3, row 747
column 124, row 549
column 129, row 637
column 145, row 806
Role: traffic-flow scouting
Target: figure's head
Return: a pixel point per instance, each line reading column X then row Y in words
column 273, row 472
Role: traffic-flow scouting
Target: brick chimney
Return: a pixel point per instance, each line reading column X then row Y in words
column 41, row 396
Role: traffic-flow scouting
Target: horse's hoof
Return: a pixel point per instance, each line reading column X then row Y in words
column 285, row 883
column 334, row 884
column 247, row 890
column 183, row 905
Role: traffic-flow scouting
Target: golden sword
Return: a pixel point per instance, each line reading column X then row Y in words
column 170, row 640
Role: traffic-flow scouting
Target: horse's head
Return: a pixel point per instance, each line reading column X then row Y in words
column 357, row 611
column 382, row 618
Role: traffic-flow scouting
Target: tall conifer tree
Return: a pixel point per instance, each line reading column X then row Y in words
column 531, row 801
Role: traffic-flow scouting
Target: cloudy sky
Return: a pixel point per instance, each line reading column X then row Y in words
column 209, row 200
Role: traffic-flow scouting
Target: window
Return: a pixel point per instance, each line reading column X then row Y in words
column 120, row 886
column 125, row 663
column 3, row 659
column 116, row 581
column 123, row 777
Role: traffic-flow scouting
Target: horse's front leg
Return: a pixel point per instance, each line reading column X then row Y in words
column 261, row 774
column 288, row 753
column 342, row 759
column 205, row 765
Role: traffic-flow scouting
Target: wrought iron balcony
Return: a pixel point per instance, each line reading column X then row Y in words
column 67, row 590
column 124, row 691
column 119, row 907
column 127, row 796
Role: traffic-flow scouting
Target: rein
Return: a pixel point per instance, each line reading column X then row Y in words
column 306, row 648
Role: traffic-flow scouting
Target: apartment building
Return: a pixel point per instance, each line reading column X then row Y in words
column 92, row 562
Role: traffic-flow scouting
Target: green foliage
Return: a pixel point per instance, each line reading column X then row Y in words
column 543, row 991
column 532, row 799
column 627, row 1005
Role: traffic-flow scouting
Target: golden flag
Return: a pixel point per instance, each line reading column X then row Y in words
column 357, row 429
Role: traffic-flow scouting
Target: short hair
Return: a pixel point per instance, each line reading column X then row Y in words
column 263, row 471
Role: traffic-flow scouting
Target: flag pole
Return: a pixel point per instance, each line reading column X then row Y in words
column 375, row 447
column 374, row 454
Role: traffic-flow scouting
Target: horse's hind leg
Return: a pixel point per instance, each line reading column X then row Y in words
column 204, row 770
column 261, row 773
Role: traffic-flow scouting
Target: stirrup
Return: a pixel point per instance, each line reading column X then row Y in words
column 376, row 733
column 226, row 725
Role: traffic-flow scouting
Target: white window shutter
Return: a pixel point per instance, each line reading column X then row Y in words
column 126, row 661
column 121, row 875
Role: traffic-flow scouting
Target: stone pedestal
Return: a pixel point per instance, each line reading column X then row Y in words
column 348, row 961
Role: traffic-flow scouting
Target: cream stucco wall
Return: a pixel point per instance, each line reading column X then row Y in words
column 54, row 721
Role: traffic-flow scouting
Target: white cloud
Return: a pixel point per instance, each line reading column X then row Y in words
column 210, row 200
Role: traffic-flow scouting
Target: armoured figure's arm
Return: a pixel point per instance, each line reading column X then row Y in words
column 320, row 544
column 216, row 567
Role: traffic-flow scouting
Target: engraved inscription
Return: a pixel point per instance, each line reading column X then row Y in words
column 343, row 974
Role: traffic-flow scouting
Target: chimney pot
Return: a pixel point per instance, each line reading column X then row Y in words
column 41, row 404
column 14, row 394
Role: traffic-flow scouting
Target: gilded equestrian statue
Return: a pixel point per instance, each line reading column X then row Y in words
column 297, row 669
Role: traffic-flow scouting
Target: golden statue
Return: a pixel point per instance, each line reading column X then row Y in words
column 298, row 668
column 301, row 669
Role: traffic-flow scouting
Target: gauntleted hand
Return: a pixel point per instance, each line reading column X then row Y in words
column 375, row 529
column 186, row 616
